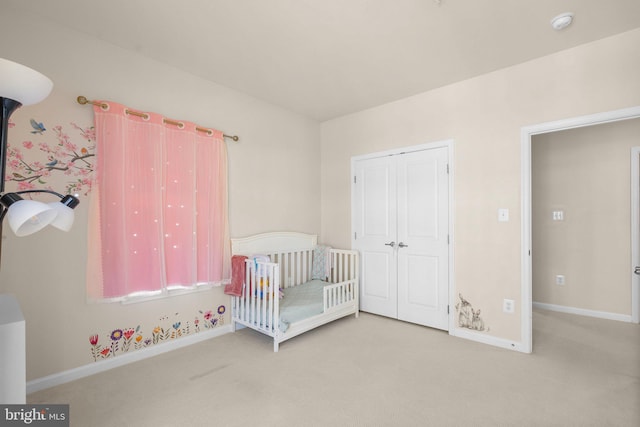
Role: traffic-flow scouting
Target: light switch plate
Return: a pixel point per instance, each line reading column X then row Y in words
column 508, row 306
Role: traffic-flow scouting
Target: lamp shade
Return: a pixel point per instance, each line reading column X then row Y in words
column 64, row 218
column 23, row 84
column 29, row 216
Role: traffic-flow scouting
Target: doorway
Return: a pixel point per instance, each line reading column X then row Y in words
column 526, row 226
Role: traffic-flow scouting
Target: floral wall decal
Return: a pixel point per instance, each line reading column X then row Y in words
column 211, row 320
column 33, row 162
column 120, row 340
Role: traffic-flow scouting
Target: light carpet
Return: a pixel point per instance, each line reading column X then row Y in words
column 374, row 371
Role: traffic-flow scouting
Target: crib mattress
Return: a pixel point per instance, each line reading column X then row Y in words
column 300, row 302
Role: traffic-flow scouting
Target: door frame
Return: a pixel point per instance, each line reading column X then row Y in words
column 526, row 133
column 635, row 233
column 448, row 143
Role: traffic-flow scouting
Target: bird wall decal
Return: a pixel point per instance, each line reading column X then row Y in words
column 38, row 127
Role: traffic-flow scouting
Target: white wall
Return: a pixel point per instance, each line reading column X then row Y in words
column 274, row 184
column 483, row 116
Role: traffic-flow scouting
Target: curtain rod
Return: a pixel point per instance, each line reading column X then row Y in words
column 82, row 100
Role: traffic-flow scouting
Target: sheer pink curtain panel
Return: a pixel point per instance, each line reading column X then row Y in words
column 158, row 211
column 213, row 247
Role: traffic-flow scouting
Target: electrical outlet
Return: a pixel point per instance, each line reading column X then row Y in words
column 503, row 215
column 508, row 306
column 560, row 279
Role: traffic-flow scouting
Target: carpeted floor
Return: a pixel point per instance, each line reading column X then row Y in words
column 374, row 371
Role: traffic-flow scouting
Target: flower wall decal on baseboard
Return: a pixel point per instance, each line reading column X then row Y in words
column 123, row 340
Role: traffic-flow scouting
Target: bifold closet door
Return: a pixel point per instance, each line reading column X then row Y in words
column 401, row 216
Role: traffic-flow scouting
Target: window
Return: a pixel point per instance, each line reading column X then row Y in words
column 158, row 215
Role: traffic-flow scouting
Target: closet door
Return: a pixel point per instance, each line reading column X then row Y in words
column 423, row 226
column 374, row 201
column 401, row 210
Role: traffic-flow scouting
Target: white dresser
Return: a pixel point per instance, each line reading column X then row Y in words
column 13, row 374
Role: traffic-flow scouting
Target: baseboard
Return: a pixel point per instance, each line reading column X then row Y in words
column 487, row 339
column 583, row 312
column 124, row 359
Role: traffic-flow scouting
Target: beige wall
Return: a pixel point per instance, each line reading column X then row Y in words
column 484, row 117
column 585, row 173
column 274, row 184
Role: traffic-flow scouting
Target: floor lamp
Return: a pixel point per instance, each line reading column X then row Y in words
column 20, row 85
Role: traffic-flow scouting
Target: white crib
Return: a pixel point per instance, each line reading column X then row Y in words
column 291, row 258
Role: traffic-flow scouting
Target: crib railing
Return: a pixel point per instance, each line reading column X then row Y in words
column 258, row 305
column 344, row 276
column 338, row 294
column 344, row 265
column 296, row 267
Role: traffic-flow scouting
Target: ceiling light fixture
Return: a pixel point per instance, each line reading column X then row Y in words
column 562, row 21
column 20, row 85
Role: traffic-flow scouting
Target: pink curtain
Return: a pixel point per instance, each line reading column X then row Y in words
column 158, row 211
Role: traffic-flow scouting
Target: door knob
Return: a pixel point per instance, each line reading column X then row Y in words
column 636, row 270
column 392, row 244
column 402, row 245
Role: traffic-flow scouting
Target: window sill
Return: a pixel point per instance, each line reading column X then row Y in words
column 167, row 293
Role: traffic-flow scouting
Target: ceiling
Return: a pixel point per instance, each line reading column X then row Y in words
column 327, row 58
